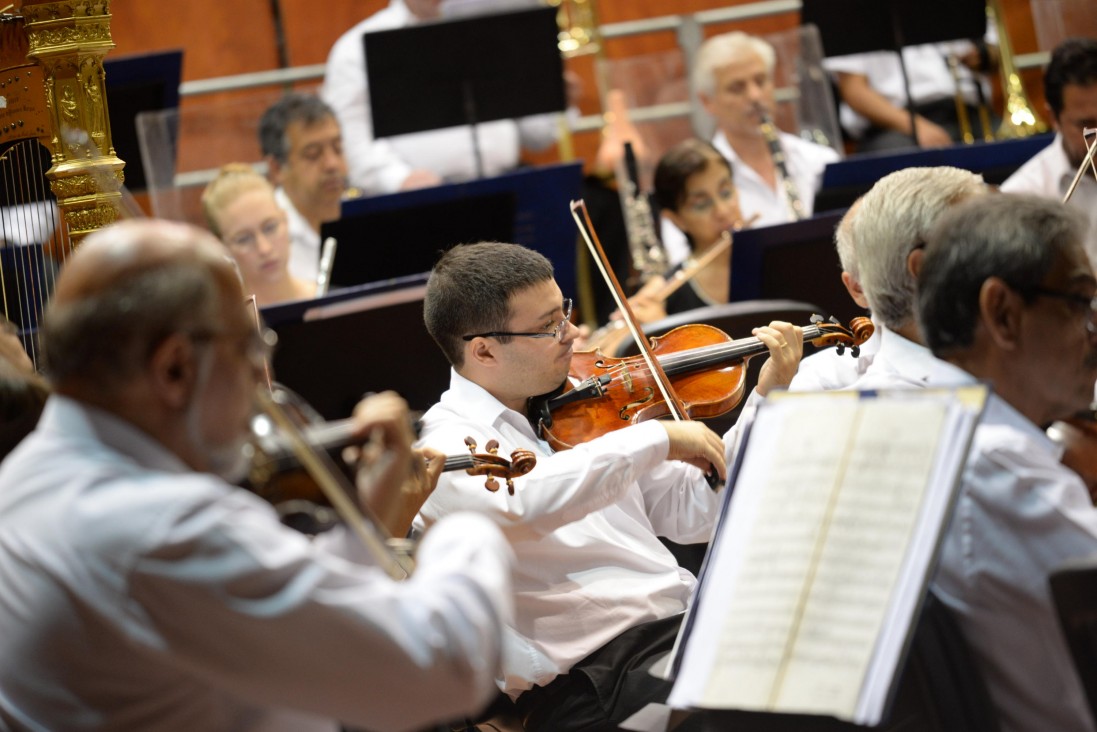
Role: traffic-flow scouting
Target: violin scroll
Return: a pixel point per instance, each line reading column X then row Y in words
column 494, row 466
column 831, row 333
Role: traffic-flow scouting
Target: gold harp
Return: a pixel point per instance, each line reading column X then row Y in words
column 57, row 185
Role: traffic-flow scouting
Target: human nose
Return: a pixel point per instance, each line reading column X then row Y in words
column 263, row 243
column 568, row 332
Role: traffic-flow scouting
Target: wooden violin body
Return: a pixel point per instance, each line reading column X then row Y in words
column 707, row 370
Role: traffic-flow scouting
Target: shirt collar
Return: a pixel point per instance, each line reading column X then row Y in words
column 475, row 403
column 75, row 419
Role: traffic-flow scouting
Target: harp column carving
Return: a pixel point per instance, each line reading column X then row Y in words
column 68, row 40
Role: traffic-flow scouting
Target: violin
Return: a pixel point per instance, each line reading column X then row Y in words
column 706, row 368
column 274, row 468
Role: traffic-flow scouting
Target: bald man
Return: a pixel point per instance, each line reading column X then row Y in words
column 154, row 594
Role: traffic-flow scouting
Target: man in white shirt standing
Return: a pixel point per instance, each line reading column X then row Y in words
column 1070, row 86
column 1006, row 296
column 303, row 147
column 424, row 158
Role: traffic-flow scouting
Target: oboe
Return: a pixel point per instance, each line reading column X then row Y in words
column 792, row 196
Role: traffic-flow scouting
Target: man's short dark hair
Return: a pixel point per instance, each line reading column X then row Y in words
column 469, row 291
column 294, row 107
column 1074, row 61
column 1016, row 238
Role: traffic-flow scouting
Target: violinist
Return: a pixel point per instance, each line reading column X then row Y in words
column 827, row 369
column 1006, row 297
column 889, row 233
column 242, row 210
column 598, row 598
column 153, row 594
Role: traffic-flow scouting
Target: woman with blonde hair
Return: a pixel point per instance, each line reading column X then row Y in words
column 241, row 210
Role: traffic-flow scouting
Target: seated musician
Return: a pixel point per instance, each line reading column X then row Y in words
column 694, row 190
column 828, row 369
column 599, row 598
column 1006, row 297
column 241, row 209
column 153, row 594
column 1070, row 88
column 733, row 74
column 889, row 233
column 303, row 147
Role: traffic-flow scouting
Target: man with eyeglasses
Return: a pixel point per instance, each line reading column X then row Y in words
column 1006, row 296
column 143, row 591
column 1070, row 87
column 888, row 233
column 598, row 597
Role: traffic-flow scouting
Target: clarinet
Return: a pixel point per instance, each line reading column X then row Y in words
column 645, row 250
column 792, row 196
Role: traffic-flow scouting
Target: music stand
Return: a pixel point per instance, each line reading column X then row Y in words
column 462, row 72
column 139, row 83
column 861, row 26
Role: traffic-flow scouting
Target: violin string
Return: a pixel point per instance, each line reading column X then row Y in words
column 685, row 361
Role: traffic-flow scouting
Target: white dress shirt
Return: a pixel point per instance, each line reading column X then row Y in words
column 927, row 71
column 583, row 526
column 827, row 370
column 1020, row 515
column 898, row 362
column 1049, row 173
column 141, row 595
column 805, row 162
column 380, row 166
column 304, row 243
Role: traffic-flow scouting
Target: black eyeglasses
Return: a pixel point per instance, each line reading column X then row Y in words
column 1088, row 304
column 556, row 333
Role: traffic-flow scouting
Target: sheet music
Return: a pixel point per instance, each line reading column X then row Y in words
column 821, row 526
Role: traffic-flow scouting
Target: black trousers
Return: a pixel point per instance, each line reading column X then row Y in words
column 606, row 687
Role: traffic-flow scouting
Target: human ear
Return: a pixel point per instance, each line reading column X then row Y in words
column 172, row 369
column 1000, row 312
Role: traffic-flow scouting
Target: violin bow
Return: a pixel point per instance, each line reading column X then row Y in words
column 1086, row 162
column 586, row 230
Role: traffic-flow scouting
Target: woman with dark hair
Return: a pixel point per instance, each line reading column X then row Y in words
column 694, row 190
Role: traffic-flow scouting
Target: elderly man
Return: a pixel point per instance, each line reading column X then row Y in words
column 143, row 591
column 303, row 147
column 1070, row 86
column 733, row 76
column 1006, row 296
column 889, row 233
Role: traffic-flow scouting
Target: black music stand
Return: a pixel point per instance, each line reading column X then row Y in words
column 860, row 26
column 462, row 72
column 147, row 82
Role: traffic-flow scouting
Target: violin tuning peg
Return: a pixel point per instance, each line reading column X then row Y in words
column 840, row 348
column 816, row 318
column 855, row 351
column 471, row 444
column 491, row 484
column 833, row 320
column 510, row 486
column 492, row 447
